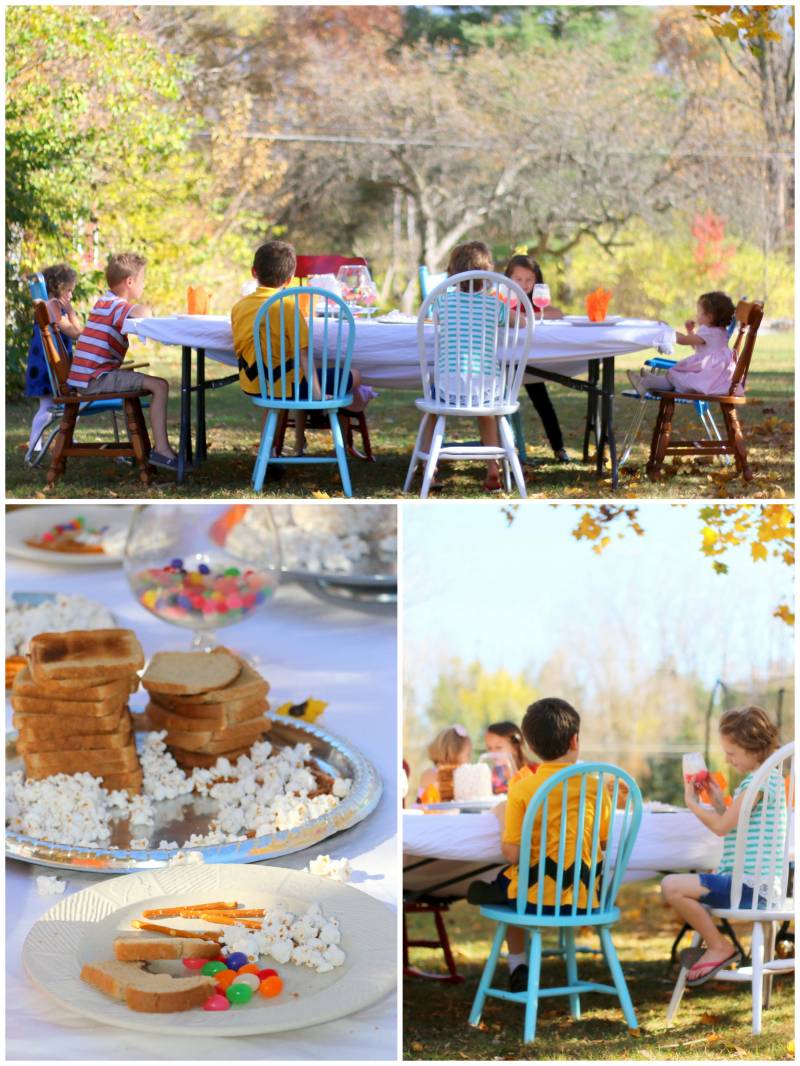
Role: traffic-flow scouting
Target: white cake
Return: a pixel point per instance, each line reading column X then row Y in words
column 472, row 781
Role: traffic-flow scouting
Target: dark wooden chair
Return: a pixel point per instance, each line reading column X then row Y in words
column 438, row 907
column 748, row 320
column 73, row 404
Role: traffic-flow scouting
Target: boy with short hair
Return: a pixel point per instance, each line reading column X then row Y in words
column 273, row 268
column 551, row 728
column 102, row 346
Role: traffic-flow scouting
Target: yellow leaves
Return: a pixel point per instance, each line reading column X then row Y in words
column 790, row 1050
column 784, row 613
column 758, row 551
column 309, row 710
column 710, row 538
column 318, row 494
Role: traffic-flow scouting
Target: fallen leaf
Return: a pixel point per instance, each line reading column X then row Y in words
column 417, row 1047
column 709, row 1019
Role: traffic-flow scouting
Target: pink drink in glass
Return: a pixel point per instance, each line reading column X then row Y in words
column 694, row 768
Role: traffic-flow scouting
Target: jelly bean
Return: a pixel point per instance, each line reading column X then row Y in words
column 194, row 579
column 211, row 968
column 150, row 598
column 232, row 571
column 271, row 986
column 177, row 564
column 217, row 1002
column 224, row 979
column 236, row 960
column 239, row 993
column 194, row 964
column 203, row 569
column 263, row 974
column 249, row 968
column 249, row 979
column 235, row 602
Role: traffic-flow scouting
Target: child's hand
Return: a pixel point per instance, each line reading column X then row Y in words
column 717, row 797
column 689, row 325
column 690, row 794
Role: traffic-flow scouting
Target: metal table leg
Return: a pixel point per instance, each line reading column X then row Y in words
column 607, row 415
column 202, row 450
column 185, row 438
column 591, row 409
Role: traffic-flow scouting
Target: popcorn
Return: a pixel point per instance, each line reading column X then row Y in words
column 285, row 937
column 59, row 615
column 50, row 886
column 139, row 844
column 186, row 858
column 335, row 869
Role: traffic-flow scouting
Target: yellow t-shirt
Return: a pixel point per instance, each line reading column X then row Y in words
column 520, row 794
column 243, row 315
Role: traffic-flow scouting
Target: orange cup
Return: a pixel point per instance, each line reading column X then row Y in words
column 198, row 300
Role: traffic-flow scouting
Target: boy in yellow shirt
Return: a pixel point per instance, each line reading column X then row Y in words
column 273, row 268
column 551, row 729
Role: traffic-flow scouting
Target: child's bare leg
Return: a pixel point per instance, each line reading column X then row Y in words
column 159, row 390
column 515, row 938
column 683, row 893
column 487, row 427
column 344, row 420
column 299, row 431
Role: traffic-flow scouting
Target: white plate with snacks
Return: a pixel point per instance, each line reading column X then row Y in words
column 584, row 320
column 82, row 927
column 31, row 533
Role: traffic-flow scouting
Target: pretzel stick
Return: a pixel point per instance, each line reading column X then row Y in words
column 171, row 912
column 228, row 919
column 136, row 924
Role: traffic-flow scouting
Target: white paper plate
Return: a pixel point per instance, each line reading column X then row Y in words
column 82, row 927
column 584, row 320
column 31, row 522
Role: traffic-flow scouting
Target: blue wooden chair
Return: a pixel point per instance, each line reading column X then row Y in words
column 429, row 281
column 602, row 878
column 328, row 359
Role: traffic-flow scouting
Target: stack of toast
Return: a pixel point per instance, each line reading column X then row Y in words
column 71, row 706
column 211, row 705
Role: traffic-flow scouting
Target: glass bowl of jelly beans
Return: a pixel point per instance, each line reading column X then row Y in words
column 180, row 574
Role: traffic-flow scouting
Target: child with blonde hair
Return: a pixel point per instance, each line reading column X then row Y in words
column 450, row 747
column 748, row 738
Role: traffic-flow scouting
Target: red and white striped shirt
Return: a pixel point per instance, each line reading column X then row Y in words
column 101, row 346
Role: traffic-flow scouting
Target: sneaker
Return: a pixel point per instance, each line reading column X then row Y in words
column 562, row 455
column 518, row 979
column 636, row 380
column 482, row 893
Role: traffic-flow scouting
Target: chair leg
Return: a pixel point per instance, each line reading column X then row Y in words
column 264, row 451
column 680, row 984
column 487, row 975
column 632, row 434
column 769, row 955
column 507, row 475
column 366, row 443
column 444, row 940
column 433, row 456
column 534, row 972
column 280, row 432
column 519, row 435
column 511, row 454
column 619, row 978
column 572, row 971
column 138, row 436
column 662, row 434
column 412, row 466
column 341, row 454
column 32, row 457
column 736, row 438
column 757, row 962
column 115, row 424
column 66, row 430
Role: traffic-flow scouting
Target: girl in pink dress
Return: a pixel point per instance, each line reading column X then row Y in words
column 710, row 368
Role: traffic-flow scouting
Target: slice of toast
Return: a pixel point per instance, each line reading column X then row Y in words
column 220, row 716
column 183, row 673
column 147, row 948
column 246, row 688
column 152, row 993
column 77, row 690
column 67, row 725
column 225, row 739
column 120, row 739
column 91, row 760
column 92, row 656
column 128, row 780
column 187, row 760
column 56, row 705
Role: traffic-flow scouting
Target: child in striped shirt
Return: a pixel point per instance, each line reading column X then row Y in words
column 102, row 346
column 748, row 739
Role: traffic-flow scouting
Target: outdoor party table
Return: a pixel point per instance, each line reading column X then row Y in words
column 353, row 668
column 385, row 354
column 443, row 853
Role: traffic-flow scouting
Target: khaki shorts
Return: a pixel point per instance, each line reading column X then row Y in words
column 118, row 381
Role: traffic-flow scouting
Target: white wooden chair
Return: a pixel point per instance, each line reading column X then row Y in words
column 773, row 862
column 475, row 369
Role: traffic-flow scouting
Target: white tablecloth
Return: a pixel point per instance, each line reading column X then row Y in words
column 313, row 648
column 666, row 842
column 385, row 354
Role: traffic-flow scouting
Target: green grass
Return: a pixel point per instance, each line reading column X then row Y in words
column 234, row 426
column 713, row 1022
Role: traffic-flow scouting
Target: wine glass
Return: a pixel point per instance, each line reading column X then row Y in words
column 540, row 298
column 181, row 569
column 357, row 286
column 502, row 766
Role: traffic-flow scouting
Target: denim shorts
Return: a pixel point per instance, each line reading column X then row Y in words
column 719, row 893
column 328, row 386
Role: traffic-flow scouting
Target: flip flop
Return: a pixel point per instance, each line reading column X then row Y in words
column 711, row 968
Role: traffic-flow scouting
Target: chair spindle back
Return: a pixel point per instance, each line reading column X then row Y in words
column 748, row 320
column 55, row 352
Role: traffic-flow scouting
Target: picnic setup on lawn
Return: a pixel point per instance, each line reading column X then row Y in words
column 456, row 840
